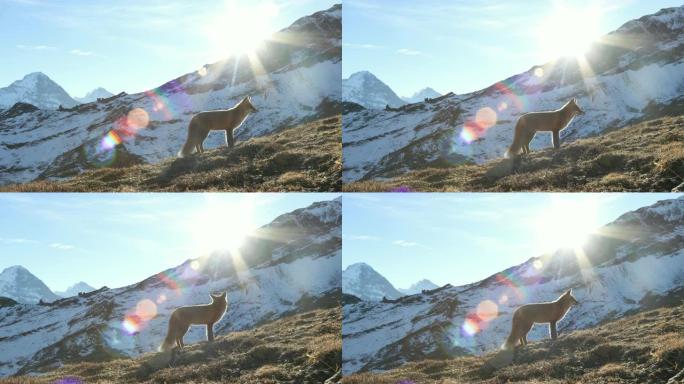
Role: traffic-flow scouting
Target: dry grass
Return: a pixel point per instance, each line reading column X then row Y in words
column 298, row 349
column 304, row 158
column 645, row 157
column 643, row 348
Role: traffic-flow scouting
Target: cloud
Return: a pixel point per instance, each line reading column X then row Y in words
column 362, row 46
column 5, row 240
column 363, row 237
column 404, row 243
column 63, row 247
column 35, row 47
column 79, row 52
column 409, row 52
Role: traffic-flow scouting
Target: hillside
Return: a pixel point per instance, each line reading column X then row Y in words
column 304, row 348
column 643, row 157
column 642, row 348
column 304, row 158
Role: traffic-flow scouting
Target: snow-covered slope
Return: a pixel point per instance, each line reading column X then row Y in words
column 634, row 263
column 37, row 89
column 287, row 266
column 425, row 93
column 635, row 73
column 295, row 79
column 365, row 89
column 423, row 285
column 19, row 284
column 364, row 282
column 75, row 289
column 97, row 93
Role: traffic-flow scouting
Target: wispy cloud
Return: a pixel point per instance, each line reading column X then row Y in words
column 409, row 52
column 35, row 47
column 404, row 243
column 79, row 52
column 362, row 46
column 63, row 247
column 5, row 240
column 363, row 237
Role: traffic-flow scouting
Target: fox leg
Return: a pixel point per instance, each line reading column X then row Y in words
column 552, row 329
column 524, row 330
column 182, row 330
column 210, row 332
column 230, row 140
column 556, row 139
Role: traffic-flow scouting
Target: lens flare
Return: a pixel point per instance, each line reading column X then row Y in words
column 539, row 72
column 470, row 326
column 111, row 140
column 146, row 310
column 538, row 264
column 487, row 310
column 202, row 71
column 485, row 117
column 137, row 119
column 194, row 265
column 161, row 298
column 503, row 299
column 131, row 324
column 502, row 106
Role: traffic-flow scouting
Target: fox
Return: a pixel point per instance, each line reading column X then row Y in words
column 530, row 123
column 183, row 317
column 525, row 316
column 219, row 120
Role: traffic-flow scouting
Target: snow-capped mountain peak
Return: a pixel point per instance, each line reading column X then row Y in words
column 97, row 93
column 419, row 287
column 366, row 89
column 425, row 93
column 75, row 289
column 37, row 89
column 364, row 282
column 19, row 284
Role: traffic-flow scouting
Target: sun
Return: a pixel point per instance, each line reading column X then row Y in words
column 566, row 222
column 221, row 225
column 240, row 27
column 568, row 31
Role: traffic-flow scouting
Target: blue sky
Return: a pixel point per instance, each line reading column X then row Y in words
column 461, row 238
column 463, row 45
column 127, row 45
column 120, row 239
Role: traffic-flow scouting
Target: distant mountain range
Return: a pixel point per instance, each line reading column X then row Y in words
column 420, row 96
column 75, row 289
column 36, row 89
column 20, row 285
column 364, row 282
column 364, row 88
column 97, row 93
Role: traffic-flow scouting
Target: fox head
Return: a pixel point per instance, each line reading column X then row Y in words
column 218, row 298
column 574, row 108
column 569, row 298
column 247, row 103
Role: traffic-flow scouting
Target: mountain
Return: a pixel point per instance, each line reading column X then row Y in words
column 364, row 282
column 19, row 284
column 365, row 89
column 37, row 89
column 75, row 289
column 289, row 266
column 293, row 79
column 420, row 96
column 633, row 264
column 97, row 93
column 419, row 287
column 633, row 74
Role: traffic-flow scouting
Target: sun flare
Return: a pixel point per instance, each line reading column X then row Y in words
column 566, row 223
column 568, row 31
column 240, row 27
column 221, row 225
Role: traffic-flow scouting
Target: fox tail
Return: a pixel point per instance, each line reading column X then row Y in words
column 167, row 345
column 516, row 146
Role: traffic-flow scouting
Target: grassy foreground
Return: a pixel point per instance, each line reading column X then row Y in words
column 648, row 156
column 305, row 348
column 307, row 157
column 643, row 348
